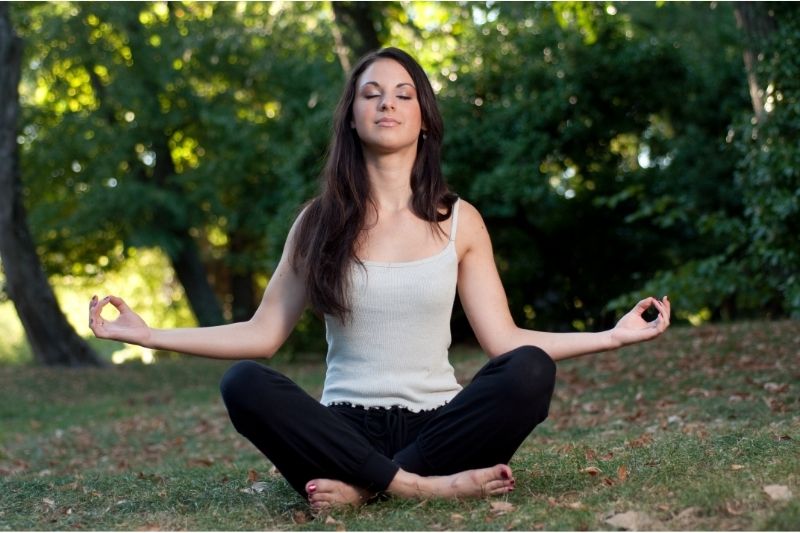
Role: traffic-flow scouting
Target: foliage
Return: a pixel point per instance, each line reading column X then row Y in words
column 686, row 432
column 148, row 119
column 746, row 221
column 607, row 145
column 578, row 160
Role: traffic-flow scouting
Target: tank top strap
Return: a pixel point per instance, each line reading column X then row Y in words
column 454, row 225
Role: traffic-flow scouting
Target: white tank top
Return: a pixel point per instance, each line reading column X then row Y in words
column 393, row 349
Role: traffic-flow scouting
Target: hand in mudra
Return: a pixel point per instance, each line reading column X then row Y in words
column 127, row 327
column 633, row 328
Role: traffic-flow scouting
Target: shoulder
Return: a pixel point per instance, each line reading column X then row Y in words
column 472, row 230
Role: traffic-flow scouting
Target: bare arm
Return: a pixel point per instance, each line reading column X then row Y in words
column 485, row 303
column 261, row 336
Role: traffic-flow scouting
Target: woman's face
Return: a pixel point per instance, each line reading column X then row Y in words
column 386, row 112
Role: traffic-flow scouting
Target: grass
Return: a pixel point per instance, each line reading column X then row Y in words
column 686, row 432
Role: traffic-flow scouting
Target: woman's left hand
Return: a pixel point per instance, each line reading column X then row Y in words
column 633, row 328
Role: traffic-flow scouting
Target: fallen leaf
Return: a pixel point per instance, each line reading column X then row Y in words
column 622, row 473
column 733, row 508
column 500, row 507
column 48, row 502
column 737, row 467
column 608, row 481
column 631, row 521
column 575, row 505
column 590, row 454
column 687, row 513
column 776, row 387
column 778, row 492
column 455, row 517
column 299, row 517
column 607, row 457
column 641, row 442
column 782, row 437
column 252, row 476
column 200, row 461
column 256, row 488
column 591, row 470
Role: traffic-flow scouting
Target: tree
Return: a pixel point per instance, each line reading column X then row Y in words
column 52, row 339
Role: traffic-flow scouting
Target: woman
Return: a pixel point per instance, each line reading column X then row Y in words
column 380, row 254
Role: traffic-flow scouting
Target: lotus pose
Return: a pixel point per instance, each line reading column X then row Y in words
column 380, row 254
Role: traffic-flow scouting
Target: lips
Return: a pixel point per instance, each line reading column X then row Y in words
column 387, row 122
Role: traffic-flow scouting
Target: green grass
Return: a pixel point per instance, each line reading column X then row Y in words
column 687, row 431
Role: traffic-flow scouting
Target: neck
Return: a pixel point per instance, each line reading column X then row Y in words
column 390, row 180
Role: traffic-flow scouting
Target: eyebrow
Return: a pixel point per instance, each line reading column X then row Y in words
column 376, row 84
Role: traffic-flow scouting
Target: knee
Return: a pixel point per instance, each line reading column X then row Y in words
column 532, row 373
column 237, row 382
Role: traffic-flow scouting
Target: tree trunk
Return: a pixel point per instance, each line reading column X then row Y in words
column 52, row 339
column 192, row 275
column 354, row 29
column 186, row 260
column 242, row 284
column 756, row 23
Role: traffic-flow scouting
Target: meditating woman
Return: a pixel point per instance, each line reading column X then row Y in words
column 380, row 253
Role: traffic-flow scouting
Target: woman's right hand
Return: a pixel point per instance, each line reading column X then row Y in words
column 127, row 327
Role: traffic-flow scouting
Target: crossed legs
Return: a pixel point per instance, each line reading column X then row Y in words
column 460, row 452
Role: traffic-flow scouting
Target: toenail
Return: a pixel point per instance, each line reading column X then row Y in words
column 312, row 488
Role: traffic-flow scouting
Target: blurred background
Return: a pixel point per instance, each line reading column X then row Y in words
column 614, row 149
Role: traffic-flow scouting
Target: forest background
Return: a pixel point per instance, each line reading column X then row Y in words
column 162, row 150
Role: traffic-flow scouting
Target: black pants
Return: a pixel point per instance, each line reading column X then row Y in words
column 481, row 427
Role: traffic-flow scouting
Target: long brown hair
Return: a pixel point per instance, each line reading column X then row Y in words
column 327, row 234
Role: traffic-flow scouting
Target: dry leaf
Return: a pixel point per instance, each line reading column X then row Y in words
column 778, row 492
column 591, row 470
column 455, row 517
column 607, row 457
column 48, row 502
column 299, row 517
column 622, row 473
column 687, row 513
column 256, row 488
column 252, row 476
column 641, row 442
column 608, row 481
column 631, row 521
column 737, row 467
column 776, row 387
column 575, row 505
column 500, row 507
column 733, row 508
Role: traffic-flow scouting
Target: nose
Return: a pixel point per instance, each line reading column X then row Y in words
column 387, row 102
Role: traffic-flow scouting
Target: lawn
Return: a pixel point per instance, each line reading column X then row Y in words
column 697, row 431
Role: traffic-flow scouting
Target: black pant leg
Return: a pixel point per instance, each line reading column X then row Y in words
column 488, row 420
column 302, row 438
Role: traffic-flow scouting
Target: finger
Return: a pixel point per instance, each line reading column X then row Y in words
column 119, row 303
column 644, row 305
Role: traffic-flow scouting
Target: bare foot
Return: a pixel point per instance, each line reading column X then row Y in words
column 478, row 483
column 327, row 493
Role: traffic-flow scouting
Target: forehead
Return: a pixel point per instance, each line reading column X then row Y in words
column 385, row 72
